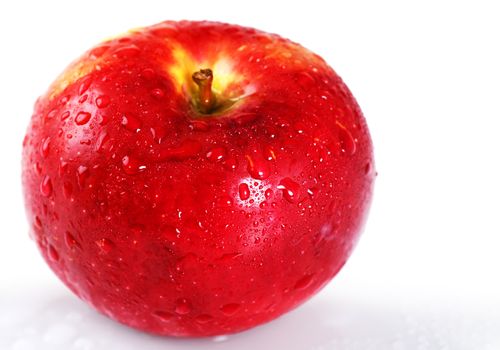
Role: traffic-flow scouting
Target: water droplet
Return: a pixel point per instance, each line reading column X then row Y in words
column 347, row 143
column 44, row 149
column 269, row 153
column 148, row 73
column 230, row 163
column 182, row 307
column 312, row 191
column 131, row 123
column 46, row 186
column 102, row 101
column 85, row 84
column 158, row 133
column 157, row 93
column 82, row 118
column 199, row 125
column 63, row 167
column 105, row 245
column 268, row 193
column 83, row 98
column 290, row 189
column 244, row 191
column 216, row 154
column 203, row 318
column 299, row 127
column 171, row 233
column 101, row 140
column 38, row 168
column 257, row 168
column 26, row 140
column 230, row 309
column 127, row 51
column 188, row 148
column 163, row 315
column 70, row 240
column 228, row 257
column 37, row 223
column 98, row 51
column 132, row 165
column 304, row 282
column 51, row 114
column 52, row 253
column 65, row 115
column 81, row 175
column 368, row 168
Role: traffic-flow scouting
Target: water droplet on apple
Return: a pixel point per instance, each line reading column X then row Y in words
column 102, row 101
column 368, row 168
column 70, row 240
column 269, row 153
column 82, row 118
column 290, row 189
column 187, row 149
column 65, row 115
column 83, row 98
column 63, row 167
column 84, row 85
column 312, row 191
column 203, row 318
column 51, row 114
column 157, row 93
column 230, row 163
column 105, row 245
column 304, row 282
column 37, row 223
column 127, row 51
column 229, row 257
column 216, row 154
column 46, row 186
column 257, row 168
column 82, row 173
column 163, row 315
column 171, row 233
column 268, row 193
column 44, row 149
column 132, row 166
column 101, row 140
column 148, row 73
column 182, row 307
column 199, row 125
column 347, row 142
column 244, row 191
column 131, row 123
column 230, row 309
column 38, row 168
column 52, row 253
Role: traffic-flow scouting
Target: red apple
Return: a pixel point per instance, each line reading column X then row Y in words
column 197, row 178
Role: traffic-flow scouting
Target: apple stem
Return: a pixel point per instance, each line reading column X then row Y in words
column 203, row 78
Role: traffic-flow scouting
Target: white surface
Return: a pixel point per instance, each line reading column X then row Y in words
column 425, row 274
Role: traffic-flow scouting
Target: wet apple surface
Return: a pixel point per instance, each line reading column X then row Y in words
column 197, row 178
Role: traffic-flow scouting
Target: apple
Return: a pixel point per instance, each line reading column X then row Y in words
column 197, row 178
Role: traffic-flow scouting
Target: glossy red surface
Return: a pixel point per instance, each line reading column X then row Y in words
column 185, row 224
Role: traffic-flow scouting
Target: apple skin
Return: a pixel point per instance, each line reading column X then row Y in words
column 187, row 224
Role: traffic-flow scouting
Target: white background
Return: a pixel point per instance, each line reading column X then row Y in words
column 426, row 74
